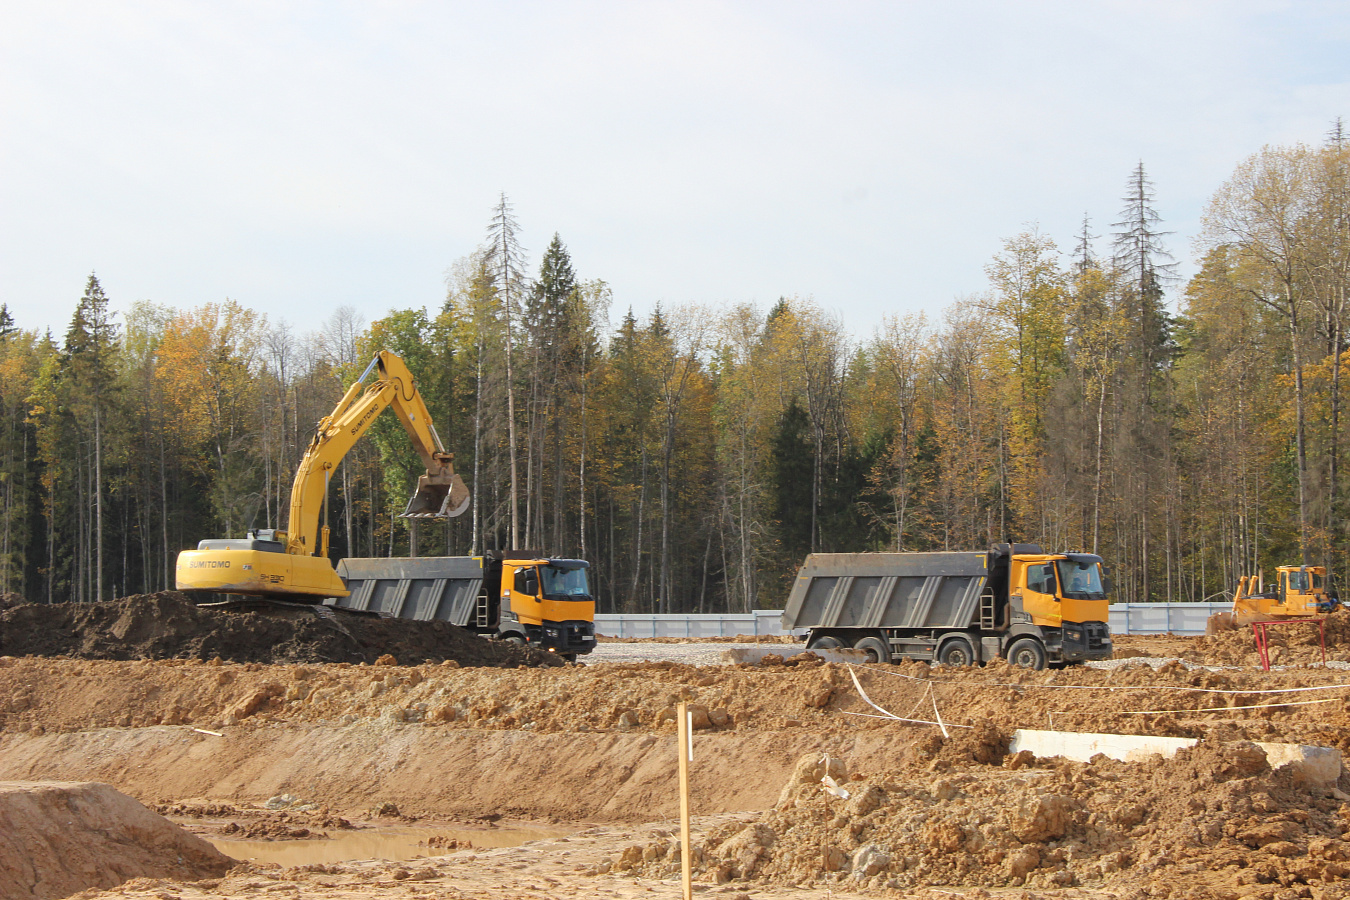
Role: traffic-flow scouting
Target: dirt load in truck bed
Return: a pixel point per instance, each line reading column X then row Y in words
column 167, row 625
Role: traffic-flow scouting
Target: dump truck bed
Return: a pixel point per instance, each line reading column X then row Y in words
column 441, row 588
column 887, row 590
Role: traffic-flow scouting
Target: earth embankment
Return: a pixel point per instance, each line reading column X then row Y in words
column 58, row 838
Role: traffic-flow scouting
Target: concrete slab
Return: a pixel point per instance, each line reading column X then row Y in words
column 1082, row 745
column 1320, row 766
column 755, row 655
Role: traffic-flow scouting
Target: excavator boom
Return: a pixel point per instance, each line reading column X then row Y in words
column 294, row 564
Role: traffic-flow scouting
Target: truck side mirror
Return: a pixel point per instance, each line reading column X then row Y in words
column 531, row 583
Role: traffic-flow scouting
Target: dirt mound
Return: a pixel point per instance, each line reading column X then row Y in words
column 64, row 837
column 1290, row 644
column 168, row 625
column 1215, row 821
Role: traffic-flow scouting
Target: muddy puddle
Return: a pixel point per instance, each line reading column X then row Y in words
column 382, row 843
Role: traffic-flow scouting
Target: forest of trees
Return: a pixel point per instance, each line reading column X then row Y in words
column 1087, row 400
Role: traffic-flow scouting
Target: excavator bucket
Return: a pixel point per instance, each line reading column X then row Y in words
column 438, row 497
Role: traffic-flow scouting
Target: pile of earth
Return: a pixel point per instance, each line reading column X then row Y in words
column 167, row 625
column 1299, row 642
column 1214, row 821
column 58, row 838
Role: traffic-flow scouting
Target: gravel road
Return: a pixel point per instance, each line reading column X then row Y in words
column 690, row 654
column 695, row 654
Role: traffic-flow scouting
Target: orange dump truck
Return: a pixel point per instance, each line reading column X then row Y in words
column 1014, row 601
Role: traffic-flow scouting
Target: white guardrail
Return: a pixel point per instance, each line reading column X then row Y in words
column 1160, row 618
column 1126, row 618
column 691, row 625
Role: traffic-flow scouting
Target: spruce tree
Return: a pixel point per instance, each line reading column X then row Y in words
column 793, row 472
column 555, row 364
column 91, row 341
column 1145, row 266
column 506, row 261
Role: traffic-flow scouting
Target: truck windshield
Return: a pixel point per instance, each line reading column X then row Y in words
column 1080, row 577
column 564, row 584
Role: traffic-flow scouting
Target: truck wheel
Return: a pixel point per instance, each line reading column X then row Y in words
column 825, row 642
column 875, row 648
column 956, row 652
column 1027, row 653
column 514, row 638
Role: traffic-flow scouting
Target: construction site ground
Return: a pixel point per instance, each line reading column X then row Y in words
column 459, row 758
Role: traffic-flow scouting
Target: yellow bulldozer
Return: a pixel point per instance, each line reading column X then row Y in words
column 1298, row 592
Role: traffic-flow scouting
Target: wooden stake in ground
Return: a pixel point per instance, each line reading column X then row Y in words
column 684, row 734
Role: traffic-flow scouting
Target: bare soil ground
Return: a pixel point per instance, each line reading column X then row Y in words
column 592, row 747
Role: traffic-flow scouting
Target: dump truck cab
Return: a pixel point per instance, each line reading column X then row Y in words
column 1062, row 596
column 547, row 602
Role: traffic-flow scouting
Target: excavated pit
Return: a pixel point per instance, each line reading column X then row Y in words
column 592, row 749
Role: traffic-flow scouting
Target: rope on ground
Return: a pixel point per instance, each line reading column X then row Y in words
column 887, row 714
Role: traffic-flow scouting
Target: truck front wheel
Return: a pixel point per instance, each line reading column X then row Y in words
column 956, row 652
column 1027, row 653
column 875, row 648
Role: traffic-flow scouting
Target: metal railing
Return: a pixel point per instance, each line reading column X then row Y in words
column 1163, row 618
column 761, row 622
column 1126, row 618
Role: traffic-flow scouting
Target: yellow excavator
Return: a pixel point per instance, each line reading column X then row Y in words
column 293, row 564
column 1298, row 592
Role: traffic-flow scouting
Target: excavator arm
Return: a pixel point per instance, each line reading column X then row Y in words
column 284, row 564
column 440, row 492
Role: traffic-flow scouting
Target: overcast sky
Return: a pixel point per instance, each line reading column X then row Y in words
column 298, row 157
